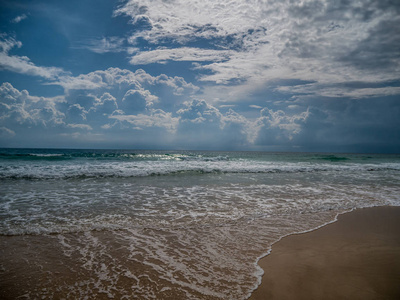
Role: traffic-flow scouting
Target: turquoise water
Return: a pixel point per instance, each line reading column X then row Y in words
column 218, row 208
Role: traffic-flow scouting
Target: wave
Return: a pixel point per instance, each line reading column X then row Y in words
column 333, row 158
column 32, row 156
column 101, row 155
column 147, row 169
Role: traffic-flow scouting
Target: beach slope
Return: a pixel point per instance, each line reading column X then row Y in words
column 357, row 257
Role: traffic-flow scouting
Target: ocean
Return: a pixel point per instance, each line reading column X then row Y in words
column 127, row 224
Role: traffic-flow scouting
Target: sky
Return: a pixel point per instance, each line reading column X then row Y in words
column 273, row 75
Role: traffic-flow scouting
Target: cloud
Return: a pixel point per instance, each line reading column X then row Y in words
column 357, row 125
column 253, row 43
column 76, row 113
column 197, row 124
column 102, row 92
column 7, row 43
column 22, row 64
column 137, row 100
column 118, row 100
column 156, row 118
column 19, row 18
column 182, row 20
column 179, row 54
column 20, row 108
column 106, row 104
column 276, row 128
column 80, row 126
column 122, row 78
column 313, row 124
column 199, row 111
column 6, row 133
column 237, row 129
column 202, row 125
column 347, row 90
column 103, row 45
column 318, row 71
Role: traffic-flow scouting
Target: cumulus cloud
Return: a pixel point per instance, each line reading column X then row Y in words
column 121, row 99
column 104, row 92
column 277, row 127
column 19, row 108
column 135, row 112
column 106, row 104
column 202, row 124
column 156, row 118
column 76, row 113
column 138, row 100
column 199, row 111
column 123, row 78
column 238, row 129
column 198, row 124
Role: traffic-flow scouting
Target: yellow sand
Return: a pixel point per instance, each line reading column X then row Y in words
column 357, row 257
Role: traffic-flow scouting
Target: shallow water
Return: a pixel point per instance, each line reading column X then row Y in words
column 156, row 224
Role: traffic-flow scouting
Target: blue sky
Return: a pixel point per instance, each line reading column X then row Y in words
column 221, row 75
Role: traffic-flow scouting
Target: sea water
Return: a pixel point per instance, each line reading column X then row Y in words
column 167, row 224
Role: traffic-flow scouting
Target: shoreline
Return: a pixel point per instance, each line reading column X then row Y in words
column 325, row 262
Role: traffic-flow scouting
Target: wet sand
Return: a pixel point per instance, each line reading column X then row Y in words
column 357, row 257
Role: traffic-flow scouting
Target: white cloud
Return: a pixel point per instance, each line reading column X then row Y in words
column 121, row 99
column 93, row 80
column 22, row 64
column 80, row 126
column 19, row 18
column 18, row 107
column 76, row 113
column 179, row 54
column 328, row 42
column 277, row 127
column 103, row 45
column 195, row 124
column 5, row 132
column 123, row 78
column 156, row 118
column 185, row 20
column 199, row 111
column 342, row 91
column 238, row 128
column 137, row 100
column 7, row 43
column 203, row 124
column 106, row 104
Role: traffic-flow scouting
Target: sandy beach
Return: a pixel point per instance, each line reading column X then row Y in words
column 150, row 224
column 357, row 257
